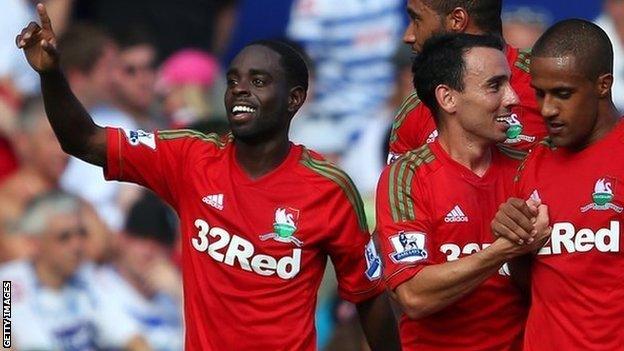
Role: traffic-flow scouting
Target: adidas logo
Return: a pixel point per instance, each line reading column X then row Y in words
column 215, row 201
column 456, row 215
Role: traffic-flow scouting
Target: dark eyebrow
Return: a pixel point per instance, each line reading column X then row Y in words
column 259, row 72
column 230, row 71
column 411, row 13
column 497, row 79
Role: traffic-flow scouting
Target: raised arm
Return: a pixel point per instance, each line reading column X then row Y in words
column 77, row 133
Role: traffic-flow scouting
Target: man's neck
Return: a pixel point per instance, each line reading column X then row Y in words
column 47, row 277
column 142, row 117
column 608, row 117
column 258, row 159
column 136, row 282
column 467, row 150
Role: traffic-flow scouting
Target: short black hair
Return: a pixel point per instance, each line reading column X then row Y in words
column 150, row 218
column 442, row 62
column 485, row 13
column 291, row 59
column 81, row 47
column 584, row 40
column 132, row 35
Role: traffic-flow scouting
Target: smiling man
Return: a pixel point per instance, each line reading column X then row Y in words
column 259, row 216
column 434, row 206
column 414, row 123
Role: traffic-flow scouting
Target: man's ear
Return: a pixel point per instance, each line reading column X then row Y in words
column 296, row 98
column 604, row 83
column 446, row 98
column 457, row 20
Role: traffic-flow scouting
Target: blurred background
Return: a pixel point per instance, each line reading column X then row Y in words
column 155, row 64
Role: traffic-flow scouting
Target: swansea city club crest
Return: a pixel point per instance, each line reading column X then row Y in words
column 514, row 132
column 284, row 227
column 603, row 197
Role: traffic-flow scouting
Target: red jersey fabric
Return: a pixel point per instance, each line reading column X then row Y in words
column 431, row 210
column 8, row 160
column 253, row 251
column 414, row 124
column 577, row 289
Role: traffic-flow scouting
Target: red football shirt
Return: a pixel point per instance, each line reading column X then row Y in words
column 254, row 251
column 577, row 287
column 414, row 124
column 430, row 210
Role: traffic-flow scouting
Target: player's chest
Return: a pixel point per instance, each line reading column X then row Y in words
column 272, row 217
column 461, row 214
column 586, row 207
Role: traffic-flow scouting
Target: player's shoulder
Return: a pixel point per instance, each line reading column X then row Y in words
column 541, row 151
column 411, row 167
column 419, row 161
column 330, row 180
column 410, row 106
column 519, row 60
column 404, row 178
column 511, row 154
column 210, row 141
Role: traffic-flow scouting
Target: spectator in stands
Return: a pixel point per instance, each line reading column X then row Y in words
column 612, row 22
column 42, row 164
column 188, row 83
column 53, row 305
column 523, row 25
column 134, row 80
column 203, row 24
column 351, row 45
column 147, row 286
column 89, row 58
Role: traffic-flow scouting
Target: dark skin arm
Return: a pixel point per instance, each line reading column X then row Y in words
column 77, row 133
column 379, row 323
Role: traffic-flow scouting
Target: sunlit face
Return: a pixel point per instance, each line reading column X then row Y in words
column 45, row 152
column 424, row 22
column 485, row 103
column 136, row 76
column 139, row 253
column 257, row 94
column 567, row 99
column 62, row 245
column 100, row 79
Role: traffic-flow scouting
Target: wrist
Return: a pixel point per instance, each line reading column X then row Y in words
column 498, row 253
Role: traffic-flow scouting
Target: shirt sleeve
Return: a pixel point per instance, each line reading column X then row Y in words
column 154, row 160
column 403, row 225
column 352, row 251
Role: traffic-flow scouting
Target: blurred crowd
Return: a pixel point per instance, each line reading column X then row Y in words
column 96, row 263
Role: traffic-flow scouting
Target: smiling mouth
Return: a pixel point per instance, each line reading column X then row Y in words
column 242, row 113
column 505, row 119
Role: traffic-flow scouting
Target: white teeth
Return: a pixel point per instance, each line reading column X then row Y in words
column 502, row 119
column 244, row 109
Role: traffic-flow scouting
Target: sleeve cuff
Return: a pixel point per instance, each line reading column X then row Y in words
column 403, row 274
column 112, row 171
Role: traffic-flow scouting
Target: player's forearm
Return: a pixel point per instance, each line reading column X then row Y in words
column 437, row 286
column 379, row 323
column 77, row 133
